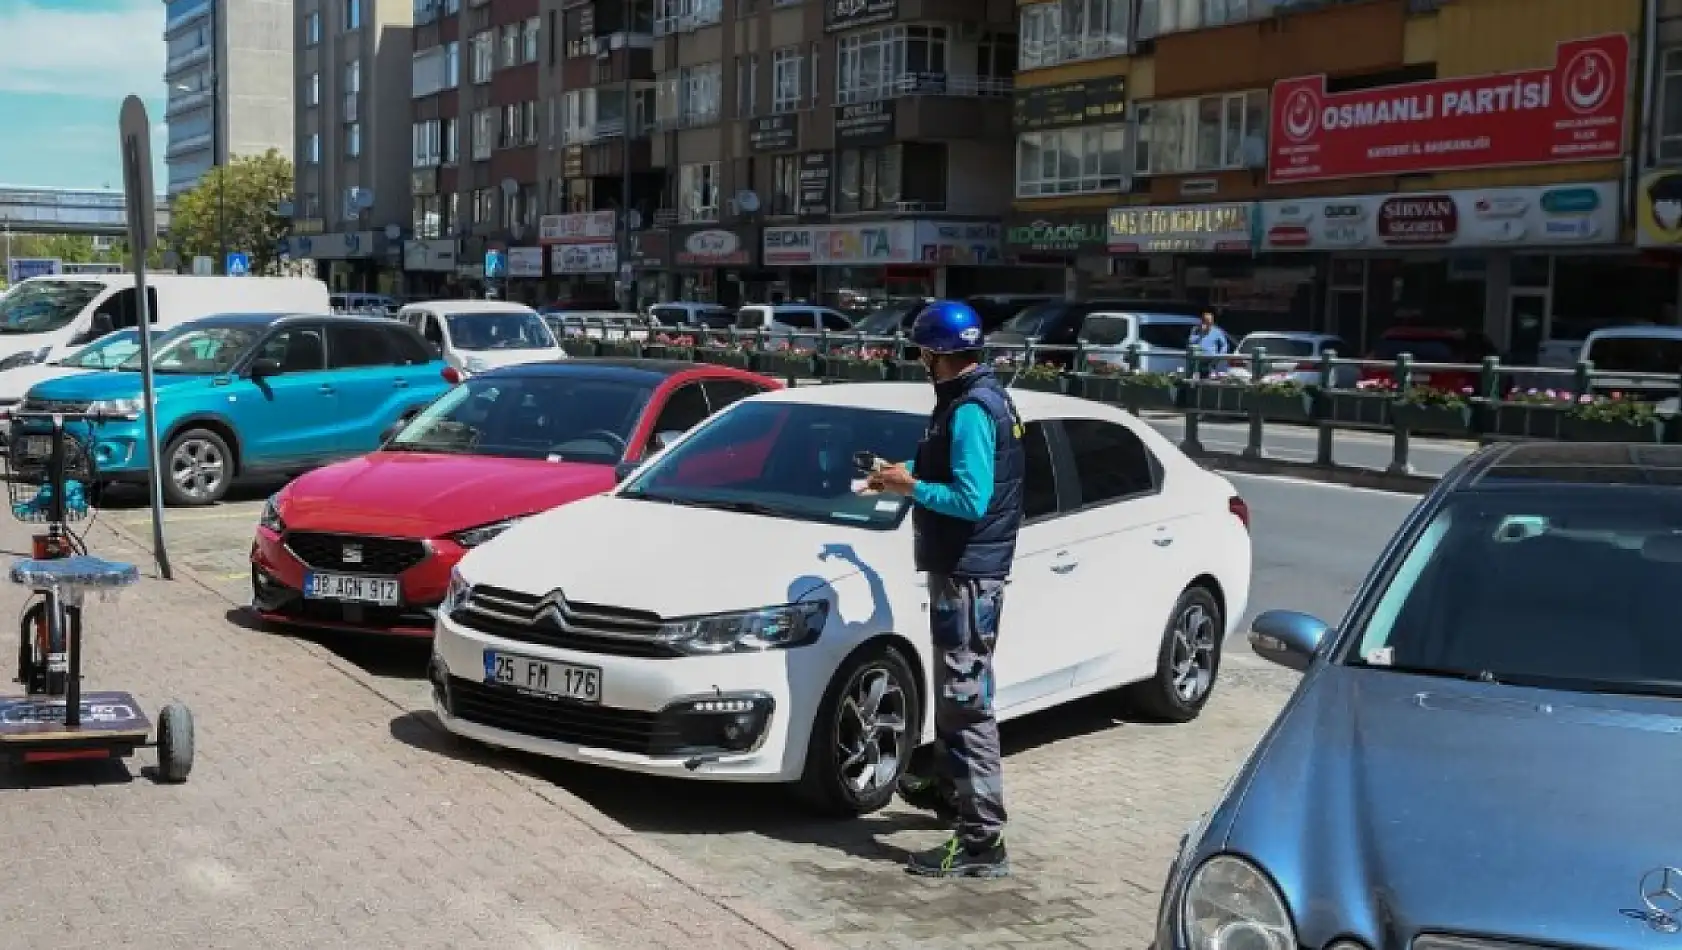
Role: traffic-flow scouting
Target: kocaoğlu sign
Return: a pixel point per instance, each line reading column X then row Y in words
column 1056, row 234
column 1182, row 228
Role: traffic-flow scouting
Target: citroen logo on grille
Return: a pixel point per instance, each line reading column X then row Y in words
column 1661, row 895
column 552, row 610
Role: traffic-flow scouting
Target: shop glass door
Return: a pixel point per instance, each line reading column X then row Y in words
column 1527, row 321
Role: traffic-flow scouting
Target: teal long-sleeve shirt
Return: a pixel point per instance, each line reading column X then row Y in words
column 969, row 492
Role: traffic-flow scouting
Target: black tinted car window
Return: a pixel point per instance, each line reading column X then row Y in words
column 410, row 348
column 349, row 347
column 723, row 392
column 684, row 408
column 1039, row 482
column 1110, row 461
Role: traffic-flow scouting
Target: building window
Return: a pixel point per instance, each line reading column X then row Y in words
column 312, row 90
column 449, row 140
column 312, row 28
column 747, row 83
column 1068, row 30
column 1209, row 133
column 1080, row 161
column 698, row 192
column 787, row 69
column 426, row 72
column 1668, row 147
column 484, row 56
column 785, row 184
column 484, row 206
column 672, row 16
column 877, row 64
column 312, row 149
column 353, row 140
column 452, row 64
column 817, row 59
column 428, row 219
column 353, row 77
column 484, row 134
column 510, row 46
column 519, row 125
column 428, row 143
column 908, row 176
column 528, row 40
column 1157, row 17
column 692, row 98
column 353, row 15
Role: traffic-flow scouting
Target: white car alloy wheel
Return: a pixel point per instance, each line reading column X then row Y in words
column 866, row 728
column 1192, row 645
column 1189, row 661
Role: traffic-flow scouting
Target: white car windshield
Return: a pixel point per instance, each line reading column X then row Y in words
column 42, row 305
column 502, row 330
column 785, row 459
column 556, row 417
column 1559, row 588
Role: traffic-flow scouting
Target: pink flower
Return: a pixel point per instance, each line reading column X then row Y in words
column 1465, row 390
column 1585, row 399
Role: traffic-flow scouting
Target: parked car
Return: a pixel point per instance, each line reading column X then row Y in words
column 108, row 352
column 1058, row 324
column 604, row 325
column 787, row 601
column 579, row 305
column 1295, row 355
column 680, row 314
column 892, row 319
column 369, row 305
column 1651, row 354
column 474, row 336
column 1161, row 339
column 1480, row 752
column 1440, row 345
column 245, row 394
column 368, row 544
column 996, row 309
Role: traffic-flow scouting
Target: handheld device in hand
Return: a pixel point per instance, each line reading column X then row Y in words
column 869, row 462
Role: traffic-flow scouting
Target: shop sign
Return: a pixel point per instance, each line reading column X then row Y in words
column 423, row 182
column 572, row 161
column 715, row 247
column 1573, row 111
column 1182, row 228
column 525, row 262
column 817, row 169
column 1548, row 216
column 775, row 133
column 333, row 247
column 867, row 123
column 1095, row 101
column 1056, row 234
column 591, row 227
column 308, row 225
column 846, row 14
column 842, row 244
column 1658, row 210
column 650, row 248
column 437, row 256
column 583, row 259
column 964, row 243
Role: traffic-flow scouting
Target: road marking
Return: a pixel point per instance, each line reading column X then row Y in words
column 1311, row 483
column 177, row 519
column 242, row 575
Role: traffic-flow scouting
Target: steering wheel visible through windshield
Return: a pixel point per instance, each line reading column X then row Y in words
column 43, row 305
column 559, row 418
column 1564, row 588
column 784, row 459
column 199, row 351
column 510, row 330
column 107, row 352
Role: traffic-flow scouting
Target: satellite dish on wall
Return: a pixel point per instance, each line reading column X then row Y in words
column 510, row 187
column 747, row 201
column 362, row 198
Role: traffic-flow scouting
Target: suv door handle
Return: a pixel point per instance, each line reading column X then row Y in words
column 327, row 388
column 1063, row 563
column 400, row 383
column 1163, row 538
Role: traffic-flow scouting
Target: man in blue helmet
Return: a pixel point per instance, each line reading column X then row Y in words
column 966, row 488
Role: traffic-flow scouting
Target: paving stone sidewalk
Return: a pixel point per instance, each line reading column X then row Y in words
column 318, row 815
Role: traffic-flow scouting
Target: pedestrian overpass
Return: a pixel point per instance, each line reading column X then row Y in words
column 28, row 210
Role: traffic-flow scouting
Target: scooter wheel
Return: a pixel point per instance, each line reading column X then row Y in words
column 175, row 743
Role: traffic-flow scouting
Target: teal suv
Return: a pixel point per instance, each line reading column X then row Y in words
column 245, row 394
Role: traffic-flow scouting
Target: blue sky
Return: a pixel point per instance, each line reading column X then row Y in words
column 66, row 66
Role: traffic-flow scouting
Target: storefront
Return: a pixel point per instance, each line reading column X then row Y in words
column 583, row 253
column 429, row 268
column 1061, row 239
column 859, row 263
column 719, row 265
column 349, row 261
column 1523, row 265
column 1658, row 232
column 650, row 258
column 525, row 274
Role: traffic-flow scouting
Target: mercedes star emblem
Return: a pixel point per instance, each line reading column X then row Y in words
column 1661, row 894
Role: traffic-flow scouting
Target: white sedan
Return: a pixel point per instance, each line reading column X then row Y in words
column 736, row 611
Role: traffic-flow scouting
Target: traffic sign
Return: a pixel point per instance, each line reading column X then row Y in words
column 23, row 268
column 239, row 264
column 496, row 264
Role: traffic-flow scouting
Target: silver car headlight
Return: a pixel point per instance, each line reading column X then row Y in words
column 1231, row 905
column 270, row 518
column 773, row 628
column 473, row 537
column 120, row 408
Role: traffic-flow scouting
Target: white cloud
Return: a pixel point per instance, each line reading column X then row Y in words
column 104, row 48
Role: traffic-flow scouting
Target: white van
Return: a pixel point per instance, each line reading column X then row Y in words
column 474, row 336
column 44, row 318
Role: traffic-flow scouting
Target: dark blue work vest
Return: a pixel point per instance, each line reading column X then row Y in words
column 952, row 546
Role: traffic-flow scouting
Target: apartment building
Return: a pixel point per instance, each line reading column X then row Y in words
column 1340, row 166
column 226, row 73
column 475, row 179
column 351, row 203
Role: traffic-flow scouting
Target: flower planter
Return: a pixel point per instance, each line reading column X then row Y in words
column 1042, row 384
column 1287, row 407
column 1348, row 407
column 623, row 349
column 1527, row 420
column 908, row 371
column 1217, row 398
column 1141, row 397
column 1576, row 429
column 1435, row 420
column 719, row 356
column 668, row 351
column 863, row 371
column 784, row 365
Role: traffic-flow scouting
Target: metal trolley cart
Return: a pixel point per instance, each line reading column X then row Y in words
column 50, row 481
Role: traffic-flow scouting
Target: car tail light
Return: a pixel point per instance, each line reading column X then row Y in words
column 1240, row 509
column 452, row 375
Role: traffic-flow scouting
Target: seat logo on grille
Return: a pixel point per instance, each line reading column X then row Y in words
column 1661, row 895
column 351, row 554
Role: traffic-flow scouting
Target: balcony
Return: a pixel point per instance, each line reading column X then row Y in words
column 929, row 84
column 187, row 102
column 1073, row 49
column 181, row 21
column 673, row 123
column 188, row 145
column 688, row 22
column 187, row 60
column 600, row 132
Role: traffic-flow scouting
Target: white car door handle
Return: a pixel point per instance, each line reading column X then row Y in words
column 1163, row 540
column 1063, row 563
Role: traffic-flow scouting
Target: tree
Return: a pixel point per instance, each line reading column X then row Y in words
column 69, row 248
column 252, row 188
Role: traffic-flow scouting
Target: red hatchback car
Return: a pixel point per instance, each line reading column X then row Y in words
column 367, row 545
column 1432, row 345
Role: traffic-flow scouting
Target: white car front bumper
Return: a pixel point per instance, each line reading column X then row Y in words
column 640, row 724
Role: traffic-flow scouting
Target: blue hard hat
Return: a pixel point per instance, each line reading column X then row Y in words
column 947, row 326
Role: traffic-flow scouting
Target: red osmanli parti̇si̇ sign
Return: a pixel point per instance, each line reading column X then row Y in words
column 1571, row 112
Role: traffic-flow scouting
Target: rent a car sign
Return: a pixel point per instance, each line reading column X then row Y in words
column 1573, row 111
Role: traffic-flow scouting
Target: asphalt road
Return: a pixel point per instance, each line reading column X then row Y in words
column 1292, row 443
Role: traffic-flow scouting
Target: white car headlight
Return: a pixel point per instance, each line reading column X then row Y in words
column 773, row 628
column 26, row 358
column 270, row 518
column 473, row 537
column 125, row 408
column 1231, row 905
column 455, row 595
